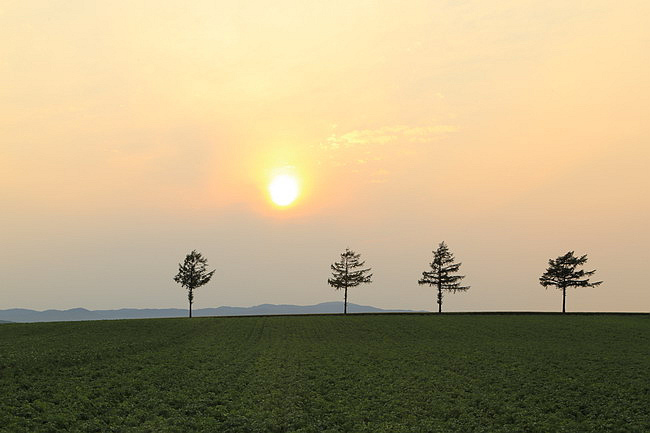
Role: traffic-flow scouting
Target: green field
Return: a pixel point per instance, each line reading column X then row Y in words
column 360, row 373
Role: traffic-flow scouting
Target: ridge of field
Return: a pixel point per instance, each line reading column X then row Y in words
column 365, row 373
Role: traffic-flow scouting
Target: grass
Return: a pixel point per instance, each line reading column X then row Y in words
column 361, row 373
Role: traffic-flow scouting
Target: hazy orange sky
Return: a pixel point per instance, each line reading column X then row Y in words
column 134, row 132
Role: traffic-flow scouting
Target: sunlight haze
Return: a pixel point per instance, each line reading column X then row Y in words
column 134, row 132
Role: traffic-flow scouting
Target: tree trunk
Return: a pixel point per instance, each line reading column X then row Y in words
column 439, row 300
column 563, row 299
column 189, row 298
column 345, row 299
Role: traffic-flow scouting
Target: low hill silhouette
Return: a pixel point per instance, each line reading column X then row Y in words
column 75, row 314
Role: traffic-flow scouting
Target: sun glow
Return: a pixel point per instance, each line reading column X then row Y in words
column 284, row 189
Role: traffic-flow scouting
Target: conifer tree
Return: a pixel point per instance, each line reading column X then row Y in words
column 440, row 275
column 192, row 274
column 346, row 274
column 562, row 273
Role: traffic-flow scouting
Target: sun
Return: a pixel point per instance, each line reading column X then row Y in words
column 284, row 189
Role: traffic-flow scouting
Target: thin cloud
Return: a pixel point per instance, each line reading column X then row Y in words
column 378, row 152
column 400, row 134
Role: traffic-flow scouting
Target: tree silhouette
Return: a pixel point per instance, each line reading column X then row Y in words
column 192, row 274
column 346, row 274
column 562, row 273
column 440, row 275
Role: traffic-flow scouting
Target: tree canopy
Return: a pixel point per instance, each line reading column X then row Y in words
column 441, row 275
column 349, row 272
column 563, row 272
column 193, row 273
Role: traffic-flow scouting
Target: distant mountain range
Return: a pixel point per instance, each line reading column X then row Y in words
column 25, row 315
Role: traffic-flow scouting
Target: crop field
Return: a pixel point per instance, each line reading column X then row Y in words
column 360, row 373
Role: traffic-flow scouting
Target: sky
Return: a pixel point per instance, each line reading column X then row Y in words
column 134, row 132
